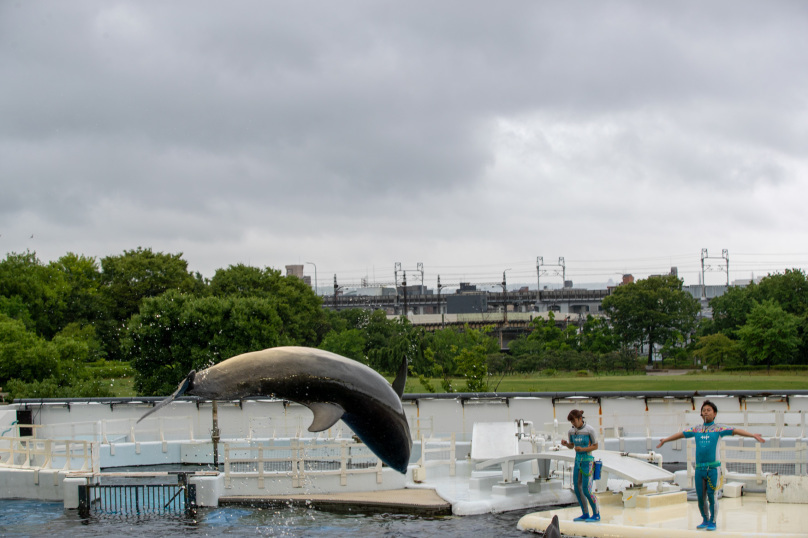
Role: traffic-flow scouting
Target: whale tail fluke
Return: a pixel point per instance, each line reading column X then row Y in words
column 186, row 383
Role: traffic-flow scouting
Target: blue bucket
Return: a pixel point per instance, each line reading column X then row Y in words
column 598, row 465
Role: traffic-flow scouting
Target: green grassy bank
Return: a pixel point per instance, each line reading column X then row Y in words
column 575, row 382
column 571, row 381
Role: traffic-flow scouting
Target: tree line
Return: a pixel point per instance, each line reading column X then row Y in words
column 67, row 324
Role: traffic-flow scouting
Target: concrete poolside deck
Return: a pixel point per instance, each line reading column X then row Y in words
column 749, row 515
column 409, row 501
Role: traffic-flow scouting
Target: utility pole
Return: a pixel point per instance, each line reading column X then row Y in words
column 442, row 324
column 505, row 297
column 396, row 271
column 704, row 256
column 404, row 287
column 315, row 277
column 336, row 289
column 539, row 272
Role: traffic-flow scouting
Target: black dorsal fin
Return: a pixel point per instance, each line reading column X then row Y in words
column 401, row 378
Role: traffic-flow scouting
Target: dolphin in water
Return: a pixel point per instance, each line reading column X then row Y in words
column 332, row 386
column 552, row 530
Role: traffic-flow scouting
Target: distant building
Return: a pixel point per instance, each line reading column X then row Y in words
column 627, row 279
column 297, row 271
column 415, row 289
column 370, row 291
column 467, row 303
column 465, row 287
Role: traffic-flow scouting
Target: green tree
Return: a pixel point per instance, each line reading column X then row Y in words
column 446, row 345
column 770, row 335
column 652, row 311
column 31, row 366
column 24, row 355
column 730, row 310
column 349, row 343
column 389, row 341
column 597, row 336
column 128, row 279
column 551, row 336
column 242, row 281
column 472, row 363
column 175, row 333
column 789, row 290
column 300, row 309
column 82, row 278
column 717, row 350
column 33, row 292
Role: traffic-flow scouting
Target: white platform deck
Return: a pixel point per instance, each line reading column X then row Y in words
column 749, row 515
column 615, row 464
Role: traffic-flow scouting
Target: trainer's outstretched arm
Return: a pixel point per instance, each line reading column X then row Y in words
column 674, row 437
column 744, row 433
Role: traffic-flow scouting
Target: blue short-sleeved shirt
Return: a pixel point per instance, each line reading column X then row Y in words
column 583, row 437
column 706, row 436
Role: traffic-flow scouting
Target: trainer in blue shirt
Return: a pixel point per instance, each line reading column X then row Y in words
column 583, row 439
column 707, row 464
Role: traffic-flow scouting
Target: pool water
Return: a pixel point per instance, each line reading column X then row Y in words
column 35, row 518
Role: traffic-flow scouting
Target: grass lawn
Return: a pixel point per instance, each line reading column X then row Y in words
column 122, row 387
column 571, row 382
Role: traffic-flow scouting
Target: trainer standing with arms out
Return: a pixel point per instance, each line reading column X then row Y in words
column 707, row 464
column 583, row 439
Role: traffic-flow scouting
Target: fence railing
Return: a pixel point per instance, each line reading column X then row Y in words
column 299, row 460
column 64, row 455
column 757, row 460
column 775, row 424
column 436, row 452
column 421, row 426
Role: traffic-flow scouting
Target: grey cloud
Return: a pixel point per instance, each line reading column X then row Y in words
column 213, row 121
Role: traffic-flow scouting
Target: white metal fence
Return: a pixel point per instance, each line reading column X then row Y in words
column 776, row 424
column 758, row 460
column 66, row 454
column 298, row 460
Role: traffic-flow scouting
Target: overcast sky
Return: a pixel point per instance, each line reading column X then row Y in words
column 470, row 137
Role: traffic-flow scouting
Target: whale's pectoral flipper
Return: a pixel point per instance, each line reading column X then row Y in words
column 189, row 379
column 401, row 378
column 325, row 415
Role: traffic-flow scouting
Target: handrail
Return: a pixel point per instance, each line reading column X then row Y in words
column 423, row 462
column 150, row 400
column 38, row 454
column 754, row 455
column 296, row 455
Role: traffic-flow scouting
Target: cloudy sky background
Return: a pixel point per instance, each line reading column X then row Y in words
column 470, row 137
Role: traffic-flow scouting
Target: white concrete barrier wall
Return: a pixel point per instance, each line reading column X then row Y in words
column 631, row 417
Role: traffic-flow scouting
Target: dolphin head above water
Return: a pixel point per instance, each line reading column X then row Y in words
column 553, row 530
column 332, row 386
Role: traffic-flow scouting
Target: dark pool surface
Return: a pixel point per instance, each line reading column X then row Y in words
column 35, row 518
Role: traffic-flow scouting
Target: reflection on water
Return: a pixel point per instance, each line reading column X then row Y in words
column 34, row 518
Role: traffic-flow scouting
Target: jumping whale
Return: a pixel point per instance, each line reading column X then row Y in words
column 332, row 386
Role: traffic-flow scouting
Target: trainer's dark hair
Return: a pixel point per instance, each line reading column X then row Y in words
column 711, row 404
column 575, row 413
